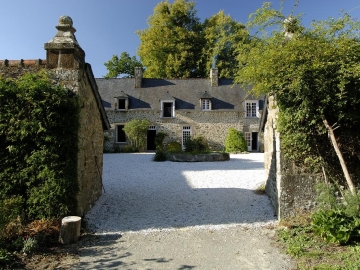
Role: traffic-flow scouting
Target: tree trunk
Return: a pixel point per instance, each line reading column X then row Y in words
column 341, row 159
column 70, row 229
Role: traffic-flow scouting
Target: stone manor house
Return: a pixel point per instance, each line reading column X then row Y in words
column 181, row 108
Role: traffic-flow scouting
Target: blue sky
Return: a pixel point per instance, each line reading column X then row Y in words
column 108, row 27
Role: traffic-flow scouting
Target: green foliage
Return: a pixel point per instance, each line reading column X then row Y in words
column 314, row 74
column 159, row 140
column 136, row 131
column 335, row 226
column 222, row 35
column 30, row 245
column 10, row 209
column 38, row 146
column 235, row 141
column 311, row 251
column 337, row 218
column 173, row 147
column 123, row 65
column 177, row 45
column 160, row 155
column 5, row 257
column 196, row 145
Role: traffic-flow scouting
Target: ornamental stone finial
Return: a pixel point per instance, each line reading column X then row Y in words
column 63, row 50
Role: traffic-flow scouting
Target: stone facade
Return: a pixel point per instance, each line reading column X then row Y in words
column 65, row 63
column 291, row 190
column 144, row 100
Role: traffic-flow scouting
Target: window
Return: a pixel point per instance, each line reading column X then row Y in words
column 186, row 134
column 121, row 104
column 251, row 108
column 120, row 134
column 167, row 109
column 206, row 104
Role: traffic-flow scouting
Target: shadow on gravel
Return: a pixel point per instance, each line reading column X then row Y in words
column 142, row 194
column 112, row 253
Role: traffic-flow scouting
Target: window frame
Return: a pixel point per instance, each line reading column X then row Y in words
column 204, row 106
column 184, row 130
column 172, row 110
column 249, row 113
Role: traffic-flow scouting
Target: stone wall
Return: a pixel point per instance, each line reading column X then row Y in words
column 213, row 125
column 291, row 190
column 66, row 66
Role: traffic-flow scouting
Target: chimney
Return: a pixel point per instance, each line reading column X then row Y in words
column 214, row 76
column 63, row 51
column 138, row 76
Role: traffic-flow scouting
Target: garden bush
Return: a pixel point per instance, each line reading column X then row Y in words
column 173, row 147
column 160, row 155
column 159, row 140
column 197, row 144
column 235, row 142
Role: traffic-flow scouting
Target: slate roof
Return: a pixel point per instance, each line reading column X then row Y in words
column 186, row 92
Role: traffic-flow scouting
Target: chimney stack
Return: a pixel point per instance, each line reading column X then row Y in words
column 214, row 76
column 138, row 76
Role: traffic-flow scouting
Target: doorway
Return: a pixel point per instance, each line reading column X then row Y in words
column 150, row 142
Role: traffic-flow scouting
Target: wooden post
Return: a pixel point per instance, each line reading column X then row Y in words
column 70, row 229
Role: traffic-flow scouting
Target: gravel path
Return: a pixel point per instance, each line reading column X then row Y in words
column 169, row 215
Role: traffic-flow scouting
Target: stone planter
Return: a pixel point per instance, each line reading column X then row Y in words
column 198, row 158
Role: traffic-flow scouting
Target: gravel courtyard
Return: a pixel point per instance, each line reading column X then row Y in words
column 171, row 215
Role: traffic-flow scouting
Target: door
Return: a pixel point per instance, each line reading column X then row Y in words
column 248, row 139
column 251, row 141
column 254, row 141
column 150, row 143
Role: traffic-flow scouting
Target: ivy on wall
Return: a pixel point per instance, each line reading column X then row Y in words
column 39, row 124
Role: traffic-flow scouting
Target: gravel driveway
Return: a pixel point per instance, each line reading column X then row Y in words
column 170, row 215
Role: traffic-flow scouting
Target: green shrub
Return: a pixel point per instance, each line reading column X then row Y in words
column 160, row 156
column 10, row 210
column 159, row 140
column 30, row 245
column 39, row 124
column 337, row 218
column 198, row 144
column 235, row 142
column 129, row 149
column 335, row 226
column 173, row 147
column 136, row 131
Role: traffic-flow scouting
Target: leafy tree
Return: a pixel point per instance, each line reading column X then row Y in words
column 314, row 75
column 222, row 35
column 170, row 47
column 136, row 131
column 123, row 65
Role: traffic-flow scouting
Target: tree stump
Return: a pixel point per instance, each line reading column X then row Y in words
column 70, row 229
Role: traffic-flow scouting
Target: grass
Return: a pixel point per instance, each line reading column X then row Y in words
column 311, row 252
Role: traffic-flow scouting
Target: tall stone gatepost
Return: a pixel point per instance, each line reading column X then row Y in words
column 290, row 188
column 66, row 61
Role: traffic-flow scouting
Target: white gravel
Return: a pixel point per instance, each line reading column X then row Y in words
column 145, row 196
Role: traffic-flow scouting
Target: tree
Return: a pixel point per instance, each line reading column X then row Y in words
column 136, row 131
column 171, row 45
column 177, row 45
column 124, row 65
column 314, row 74
column 222, row 36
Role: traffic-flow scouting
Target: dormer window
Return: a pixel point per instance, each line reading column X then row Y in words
column 205, row 102
column 167, row 106
column 122, row 102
